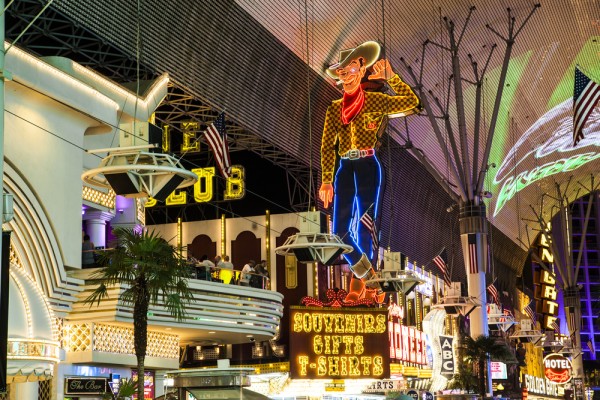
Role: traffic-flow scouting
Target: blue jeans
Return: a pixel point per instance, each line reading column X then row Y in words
column 357, row 186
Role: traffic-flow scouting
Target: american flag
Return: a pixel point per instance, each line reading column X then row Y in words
column 585, row 97
column 571, row 321
column 216, row 137
column 508, row 313
column 555, row 326
column 493, row 293
column 590, row 346
column 529, row 311
column 473, row 264
column 369, row 223
column 441, row 261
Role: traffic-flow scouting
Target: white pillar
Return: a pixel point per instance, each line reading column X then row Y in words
column 473, row 234
column 95, row 223
column 24, row 391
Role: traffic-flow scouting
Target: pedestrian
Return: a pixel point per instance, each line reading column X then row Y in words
column 247, row 273
column 87, row 253
column 204, row 268
column 225, row 264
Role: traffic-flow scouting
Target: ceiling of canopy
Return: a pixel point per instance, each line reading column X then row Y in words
column 532, row 147
column 250, row 57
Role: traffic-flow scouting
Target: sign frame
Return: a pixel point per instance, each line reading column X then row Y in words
column 86, row 380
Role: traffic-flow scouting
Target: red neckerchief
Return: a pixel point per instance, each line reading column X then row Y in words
column 352, row 104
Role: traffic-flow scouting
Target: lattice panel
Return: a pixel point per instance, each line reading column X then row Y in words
column 14, row 257
column 77, row 337
column 58, row 326
column 258, row 351
column 208, row 353
column 113, row 339
column 141, row 211
column 163, row 345
column 96, row 196
column 45, row 390
column 117, row 339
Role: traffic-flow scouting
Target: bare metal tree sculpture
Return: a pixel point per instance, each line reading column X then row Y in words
column 565, row 266
column 467, row 164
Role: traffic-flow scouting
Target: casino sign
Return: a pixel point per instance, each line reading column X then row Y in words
column 557, row 368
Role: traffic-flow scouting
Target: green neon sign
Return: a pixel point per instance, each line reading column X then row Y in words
column 513, row 185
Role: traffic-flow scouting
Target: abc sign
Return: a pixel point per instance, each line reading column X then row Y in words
column 557, row 368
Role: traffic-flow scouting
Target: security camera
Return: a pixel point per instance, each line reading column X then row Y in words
column 252, row 339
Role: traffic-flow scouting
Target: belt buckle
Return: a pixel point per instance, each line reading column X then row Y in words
column 353, row 154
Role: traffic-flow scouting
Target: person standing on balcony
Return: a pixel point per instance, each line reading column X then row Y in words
column 87, row 253
column 247, row 272
column 204, row 269
column 225, row 264
column 353, row 126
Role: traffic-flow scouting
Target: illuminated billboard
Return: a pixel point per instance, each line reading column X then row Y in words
column 407, row 343
column 340, row 343
column 531, row 155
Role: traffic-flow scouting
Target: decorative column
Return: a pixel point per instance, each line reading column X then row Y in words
column 473, row 235
column 95, row 224
column 572, row 299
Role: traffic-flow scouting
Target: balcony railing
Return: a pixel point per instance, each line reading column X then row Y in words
column 229, row 312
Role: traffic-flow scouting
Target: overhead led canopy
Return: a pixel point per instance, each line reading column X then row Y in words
column 135, row 171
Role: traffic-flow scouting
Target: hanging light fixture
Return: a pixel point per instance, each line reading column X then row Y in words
column 497, row 320
column 394, row 277
column 310, row 245
column 455, row 304
column 136, row 171
column 526, row 332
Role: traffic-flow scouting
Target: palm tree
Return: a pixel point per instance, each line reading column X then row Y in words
column 151, row 271
column 464, row 379
column 126, row 390
column 477, row 352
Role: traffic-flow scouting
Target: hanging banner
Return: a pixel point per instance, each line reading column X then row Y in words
column 447, row 355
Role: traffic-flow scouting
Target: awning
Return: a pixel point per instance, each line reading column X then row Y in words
column 18, row 372
column 228, row 393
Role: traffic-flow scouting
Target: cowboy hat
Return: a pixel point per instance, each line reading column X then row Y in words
column 368, row 50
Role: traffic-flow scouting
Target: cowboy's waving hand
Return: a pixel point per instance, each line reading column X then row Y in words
column 382, row 70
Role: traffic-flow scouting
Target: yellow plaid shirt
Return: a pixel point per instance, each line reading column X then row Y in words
column 364, row 130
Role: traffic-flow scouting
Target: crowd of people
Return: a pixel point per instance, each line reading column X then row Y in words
column 253, row 274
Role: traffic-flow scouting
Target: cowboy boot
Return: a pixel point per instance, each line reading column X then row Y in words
column 362, row 267
column 355, row 290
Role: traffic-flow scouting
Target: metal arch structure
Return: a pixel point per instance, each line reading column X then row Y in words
column 54, row 34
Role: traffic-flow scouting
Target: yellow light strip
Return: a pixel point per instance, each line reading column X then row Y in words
column 223, row 236
column 407, row 370
column 60, row 76
column 268, row 239
column 120, row 89
column 179, row 234
column 26, row 304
